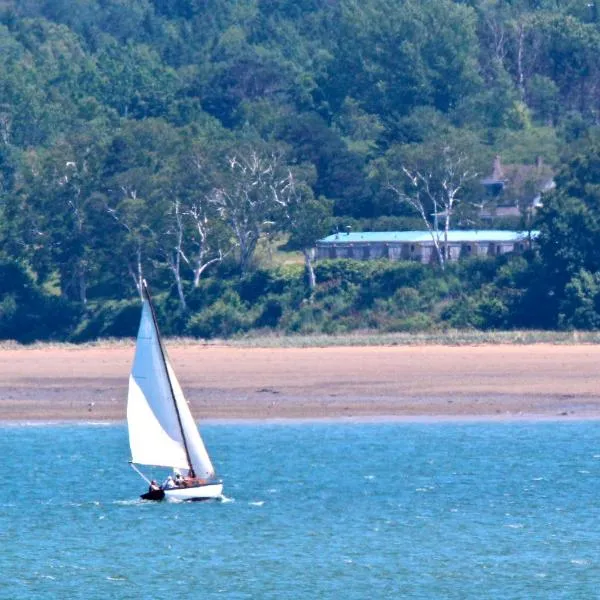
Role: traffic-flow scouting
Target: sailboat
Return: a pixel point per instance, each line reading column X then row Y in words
column 162, row 431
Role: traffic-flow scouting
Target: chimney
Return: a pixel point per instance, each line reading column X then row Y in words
column 497, row 173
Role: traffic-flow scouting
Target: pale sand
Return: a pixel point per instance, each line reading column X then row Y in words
column 491, row 382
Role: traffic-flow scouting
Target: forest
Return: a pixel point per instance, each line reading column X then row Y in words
column 206, row 145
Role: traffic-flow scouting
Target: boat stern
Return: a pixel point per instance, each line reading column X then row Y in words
column 206, row 491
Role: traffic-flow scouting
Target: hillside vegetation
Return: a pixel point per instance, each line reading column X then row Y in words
column 205, row 145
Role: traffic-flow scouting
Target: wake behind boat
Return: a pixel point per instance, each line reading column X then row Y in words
column 162, row 431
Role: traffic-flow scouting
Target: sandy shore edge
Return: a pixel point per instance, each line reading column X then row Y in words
column 232, row 384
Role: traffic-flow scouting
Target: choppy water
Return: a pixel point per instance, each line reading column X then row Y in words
column 330, row 510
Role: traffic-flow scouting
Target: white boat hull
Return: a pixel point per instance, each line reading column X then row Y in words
column 204, row 492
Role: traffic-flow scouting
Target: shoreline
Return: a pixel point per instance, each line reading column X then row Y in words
column 494, row 383
column 378, row 419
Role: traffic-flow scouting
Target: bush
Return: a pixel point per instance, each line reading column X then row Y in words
column 226, row 317
column 461, row 314
column 391, row 276
column 271, row 313
column 407, row 301
column 343, row 271
column 307, row 319
column 113, row 318
column 27, row 313
column 254, row 285
column 208, row 291
column 493, row 313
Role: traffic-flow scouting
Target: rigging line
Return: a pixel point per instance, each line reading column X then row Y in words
column 139, row 472
column 146, row 291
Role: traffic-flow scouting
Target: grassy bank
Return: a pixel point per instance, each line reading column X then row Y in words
column 363, row 338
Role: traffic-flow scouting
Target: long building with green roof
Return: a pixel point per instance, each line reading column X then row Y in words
column 418, row 245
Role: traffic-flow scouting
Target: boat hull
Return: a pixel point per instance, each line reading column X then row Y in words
column 153, row 495
column 207, row 491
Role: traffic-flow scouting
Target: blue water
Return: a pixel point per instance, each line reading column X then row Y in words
column 321, row 510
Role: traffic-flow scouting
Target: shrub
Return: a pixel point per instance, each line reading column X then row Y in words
column 492, row 313
column 113, row 318
column 226, row 317
column 344, row 271
column 407, row 301
column 254, row 285
column 461, row 314
column 27, row 313
column 307, row 319
column 271, row 313
column 388, row 277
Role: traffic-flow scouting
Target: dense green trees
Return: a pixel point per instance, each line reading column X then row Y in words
column 570, row 241
column 181, row 140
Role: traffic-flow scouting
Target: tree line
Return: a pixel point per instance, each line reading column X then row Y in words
column 169, row 139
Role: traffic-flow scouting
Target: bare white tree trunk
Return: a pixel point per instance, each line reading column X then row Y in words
column 520, row 70
column 439, row 189
column 310, row 270
column 71, row 178
column 257, row 188
column 135, row 270
column 416, row 201
column 173, row 254
column 200, row 266
column 496, row 27
column 82, row 284
column 5, row 127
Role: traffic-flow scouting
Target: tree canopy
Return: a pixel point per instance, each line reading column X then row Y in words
column 176, row 140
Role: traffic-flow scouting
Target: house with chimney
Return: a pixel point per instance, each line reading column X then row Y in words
column 514, row 192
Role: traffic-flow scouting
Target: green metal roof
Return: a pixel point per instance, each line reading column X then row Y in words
column 467, row 235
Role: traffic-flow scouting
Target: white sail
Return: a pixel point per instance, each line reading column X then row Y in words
column 197, row 451
column 156, row 436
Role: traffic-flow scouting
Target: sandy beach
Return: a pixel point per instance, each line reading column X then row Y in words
column 221, row 382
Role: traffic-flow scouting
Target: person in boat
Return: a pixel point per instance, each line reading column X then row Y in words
column 190, row 479
column 154, row 487
column 178, row 480
column 170, row 483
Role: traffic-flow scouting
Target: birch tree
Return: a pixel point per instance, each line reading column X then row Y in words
column 209, row 240
column 135, row 234
column 432, row 185
column 170, row 244
column 251, row 198
column 307, row 220
column 60, row 190
column 143, row 199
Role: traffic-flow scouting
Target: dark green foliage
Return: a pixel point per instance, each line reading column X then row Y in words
column 570, row 238
column 581, row 306
column 271, row 313
column 225, row 318
column 125, row 124
column 109, row 319
column 28, row 314
column 253, row 286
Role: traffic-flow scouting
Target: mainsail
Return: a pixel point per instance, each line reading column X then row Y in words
column 162, row 430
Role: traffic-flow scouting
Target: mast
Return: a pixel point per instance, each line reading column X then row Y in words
column 146, row 292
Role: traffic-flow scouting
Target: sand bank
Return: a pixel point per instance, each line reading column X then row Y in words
column 221, row 382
